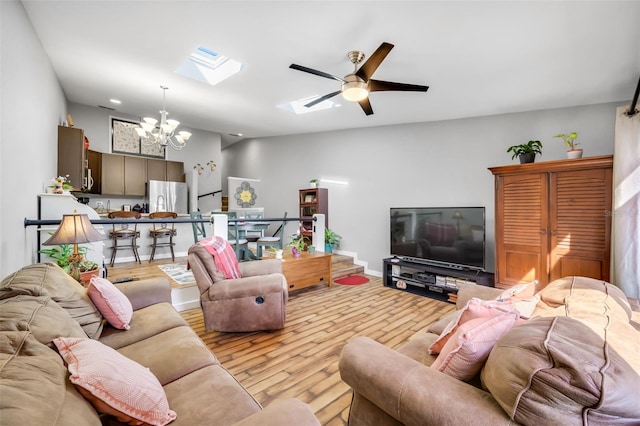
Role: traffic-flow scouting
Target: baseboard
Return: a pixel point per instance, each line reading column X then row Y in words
column 158, row 256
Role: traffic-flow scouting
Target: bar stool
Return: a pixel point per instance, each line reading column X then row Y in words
column 162, row 230
column 124, row 231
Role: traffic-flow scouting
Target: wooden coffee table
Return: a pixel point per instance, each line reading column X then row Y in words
column 306, row 270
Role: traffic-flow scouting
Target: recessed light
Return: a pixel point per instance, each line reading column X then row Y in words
column 115, row 101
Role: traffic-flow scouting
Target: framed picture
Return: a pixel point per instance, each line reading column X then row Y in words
column 308, row 198
column 126, row 207
column 125, row 140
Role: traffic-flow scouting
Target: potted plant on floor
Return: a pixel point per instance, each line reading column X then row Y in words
column 569, row 140
column 331, row 240
column 526, row 151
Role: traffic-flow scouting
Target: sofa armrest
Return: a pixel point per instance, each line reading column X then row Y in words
column 143, row 293
column 288, row 411
column 469, row 291
column 248, row 287
column 260, row 267
column 411, row 392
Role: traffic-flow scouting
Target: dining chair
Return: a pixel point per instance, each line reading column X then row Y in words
column 123, row 232
column 254, row 235
column 199, row 231
column 162, row 230
column 273, row 241
column 240, row 245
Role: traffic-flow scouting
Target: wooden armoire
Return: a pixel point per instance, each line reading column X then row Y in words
column 553, row 219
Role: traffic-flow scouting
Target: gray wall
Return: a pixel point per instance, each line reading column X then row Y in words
column 32, row 107
column 418, row 165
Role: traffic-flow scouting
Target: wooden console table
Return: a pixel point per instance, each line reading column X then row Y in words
column 306, row 270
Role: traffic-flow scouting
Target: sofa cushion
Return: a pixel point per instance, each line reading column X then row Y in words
column 33, row 375
column 465, row 352
column 145, row 323
column 475, row 308
column 576, row 363
column 48, row 279
column 111, row 302
column 42, row 316
column 166, row 365
column 111, row 378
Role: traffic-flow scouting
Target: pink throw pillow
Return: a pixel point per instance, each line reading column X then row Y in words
column 111, row 302
column 115, row 380
column 464, row 354
column 475, row 308
column 524, row 307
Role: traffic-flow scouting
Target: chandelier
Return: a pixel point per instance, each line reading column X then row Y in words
column 164, row 133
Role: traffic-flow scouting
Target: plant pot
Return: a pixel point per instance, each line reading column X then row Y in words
column 85, row 277
column 574, row 153
column 328, row 248
column 527, row 158
column 313, row 184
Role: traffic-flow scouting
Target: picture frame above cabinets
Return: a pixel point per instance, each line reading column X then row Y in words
column 125, row 140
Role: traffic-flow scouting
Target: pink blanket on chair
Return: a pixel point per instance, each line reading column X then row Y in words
column 224, row 256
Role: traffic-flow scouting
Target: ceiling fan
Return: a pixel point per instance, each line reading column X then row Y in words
column 357, row 85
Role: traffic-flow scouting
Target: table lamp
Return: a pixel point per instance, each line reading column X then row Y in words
column 74, row 229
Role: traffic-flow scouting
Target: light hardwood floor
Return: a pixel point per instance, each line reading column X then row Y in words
column 301, row 360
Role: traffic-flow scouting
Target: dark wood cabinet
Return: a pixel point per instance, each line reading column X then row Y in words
column 72, row 155
column 552, row 220
column 123, row 175
column 175, row 171
column 313, row 201
column 156, row 169
column 94, row 173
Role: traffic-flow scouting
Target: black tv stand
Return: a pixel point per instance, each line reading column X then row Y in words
column 436, row 282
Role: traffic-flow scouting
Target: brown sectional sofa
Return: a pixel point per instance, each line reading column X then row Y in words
column 40, row 302
column 576, row 361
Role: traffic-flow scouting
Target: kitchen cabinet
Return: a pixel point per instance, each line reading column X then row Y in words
column 123, row 175
column 94, row 173
column 156, row 169
column 175, row 171
column 72, row 155
column 551, row 220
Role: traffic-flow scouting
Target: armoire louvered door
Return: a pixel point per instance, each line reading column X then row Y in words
column 553, row 219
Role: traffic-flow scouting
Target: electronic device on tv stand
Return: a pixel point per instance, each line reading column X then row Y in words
column 450, row 237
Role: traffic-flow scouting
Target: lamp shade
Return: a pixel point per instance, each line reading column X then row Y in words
column 74, row 229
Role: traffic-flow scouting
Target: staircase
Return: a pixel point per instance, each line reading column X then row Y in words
column 343, row 266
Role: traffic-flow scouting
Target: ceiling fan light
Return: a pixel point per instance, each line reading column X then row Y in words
column 355, row 91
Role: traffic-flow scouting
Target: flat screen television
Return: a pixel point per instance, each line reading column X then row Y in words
column 452, row 237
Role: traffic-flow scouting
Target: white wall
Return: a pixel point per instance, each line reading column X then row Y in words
column 32, row 107
column 426, row 164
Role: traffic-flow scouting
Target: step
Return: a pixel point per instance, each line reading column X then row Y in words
column 343, row 266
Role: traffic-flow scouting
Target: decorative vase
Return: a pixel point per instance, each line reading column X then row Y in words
column 574, row 153
column 294, row 252
column 58, row 189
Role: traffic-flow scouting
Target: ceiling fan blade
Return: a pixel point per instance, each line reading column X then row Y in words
column 381, row 86
column 314, row 72
column 322, row 98
column 366, row 106
column 371, row 65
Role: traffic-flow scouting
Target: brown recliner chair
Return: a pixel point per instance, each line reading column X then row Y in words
column 257, row 301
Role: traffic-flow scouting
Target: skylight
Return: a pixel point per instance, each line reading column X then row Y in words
column 298, row 107
column 209, row 67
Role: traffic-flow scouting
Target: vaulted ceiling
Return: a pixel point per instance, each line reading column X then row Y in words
column 478, row 57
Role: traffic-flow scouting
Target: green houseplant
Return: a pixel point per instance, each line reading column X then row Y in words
column 62, row 254
column 570, row 141
column 526, row 151
column 331, row 240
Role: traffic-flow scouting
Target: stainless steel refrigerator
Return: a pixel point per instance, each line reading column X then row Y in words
column 167, row 196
